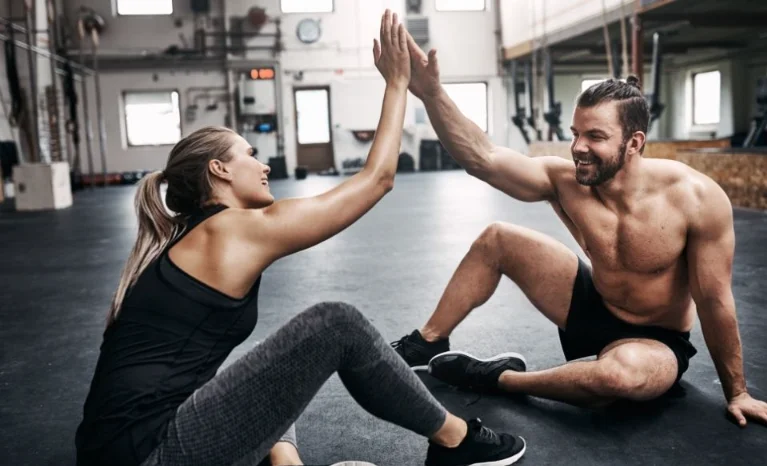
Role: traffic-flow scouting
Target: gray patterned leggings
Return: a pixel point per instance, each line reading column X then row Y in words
column 238, row 416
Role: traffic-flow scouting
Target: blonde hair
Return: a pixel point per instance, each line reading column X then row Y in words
column 189, row 189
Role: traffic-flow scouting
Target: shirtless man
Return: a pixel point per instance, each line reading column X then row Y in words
column 659, row 236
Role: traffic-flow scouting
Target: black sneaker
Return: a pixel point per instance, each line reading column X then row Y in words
column 481, row 447
column 470, row 373
column 417, row 352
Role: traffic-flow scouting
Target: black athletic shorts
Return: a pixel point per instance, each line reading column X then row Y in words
column 591, row 326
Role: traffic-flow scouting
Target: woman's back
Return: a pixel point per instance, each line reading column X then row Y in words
column 172, row 334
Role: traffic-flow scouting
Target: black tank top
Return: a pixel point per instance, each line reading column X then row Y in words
column 170, row 337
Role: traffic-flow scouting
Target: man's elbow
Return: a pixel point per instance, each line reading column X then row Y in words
column 479, row 167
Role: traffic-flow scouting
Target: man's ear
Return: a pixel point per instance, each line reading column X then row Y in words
column 219, row 170
column 637, row 142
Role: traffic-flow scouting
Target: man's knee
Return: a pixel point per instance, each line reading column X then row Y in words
column 622, row 376
column 489, row 241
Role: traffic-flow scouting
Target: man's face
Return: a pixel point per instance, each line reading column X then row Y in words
column 598, row 147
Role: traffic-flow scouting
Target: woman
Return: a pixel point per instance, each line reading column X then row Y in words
column 188, row 296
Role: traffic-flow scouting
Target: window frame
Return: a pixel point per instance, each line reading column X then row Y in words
column 116, row 9
column 437, row 9
column 326, row 88
column 332, row 10
column 704, row 126
column 487, row 100
column 124, row 112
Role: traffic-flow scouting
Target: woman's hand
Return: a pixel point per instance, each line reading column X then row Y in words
column 391, row 54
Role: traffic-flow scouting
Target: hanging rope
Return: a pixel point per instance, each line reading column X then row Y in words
column 13, row 84
column 624, row 44
column 608, row 46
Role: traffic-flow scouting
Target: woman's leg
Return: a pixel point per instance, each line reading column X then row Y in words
column 285, row 451
column 241, row 413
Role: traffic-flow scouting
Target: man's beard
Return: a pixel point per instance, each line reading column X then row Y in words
column 603, row 170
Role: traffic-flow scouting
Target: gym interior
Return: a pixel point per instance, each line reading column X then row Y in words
column 95, row 94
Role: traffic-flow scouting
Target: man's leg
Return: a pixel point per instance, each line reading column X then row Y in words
column 631, row 369
column 542, row 267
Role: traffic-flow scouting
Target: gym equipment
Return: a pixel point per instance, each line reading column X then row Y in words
column 759, row 123
column 656, row 108
column 200, row 6
column 301, row 172
column 279, row 170
column 405, row 163
column 531, row 98
column 52, row 91
column 517, row 89
column 553, row 116
column 93, row 24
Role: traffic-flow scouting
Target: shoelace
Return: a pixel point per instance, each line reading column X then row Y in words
column 403, row 343
column 488, row 436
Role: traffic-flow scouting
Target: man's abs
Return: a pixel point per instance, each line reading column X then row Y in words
column 662, row 299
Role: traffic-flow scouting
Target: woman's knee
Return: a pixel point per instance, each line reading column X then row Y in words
column 337, row 312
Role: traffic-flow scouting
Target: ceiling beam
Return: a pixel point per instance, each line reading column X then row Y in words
column 670, row 48
column 712, row 19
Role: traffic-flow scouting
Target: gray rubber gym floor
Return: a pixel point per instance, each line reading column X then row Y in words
column 58, row 271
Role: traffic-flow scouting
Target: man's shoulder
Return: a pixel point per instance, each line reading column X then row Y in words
column 693, row 192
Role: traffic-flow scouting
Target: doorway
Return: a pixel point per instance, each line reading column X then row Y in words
column 314, row 141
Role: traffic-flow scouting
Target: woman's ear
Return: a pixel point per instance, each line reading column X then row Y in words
column 219, row 170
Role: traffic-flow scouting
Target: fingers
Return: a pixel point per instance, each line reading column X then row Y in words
column 386, row 38
column 381, row 32
column 761, row 413
column 376, row 51
column 414, row 49
column 737, row 415
column 402, row 38
column 394, row 31
column 433, row 63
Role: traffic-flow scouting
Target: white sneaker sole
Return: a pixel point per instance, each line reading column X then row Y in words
column 505, row 461
column 494, row 358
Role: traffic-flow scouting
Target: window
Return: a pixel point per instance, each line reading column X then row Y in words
column 152, row 118
column 587, row 83
column 706, row 97
column 471, row 99
column 307, row 6
column 460, row 5
column 144, row 7
column 313, row 116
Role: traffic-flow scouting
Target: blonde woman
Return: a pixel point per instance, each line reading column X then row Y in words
column 188, row 296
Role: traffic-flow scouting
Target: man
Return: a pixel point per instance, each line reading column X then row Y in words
column 659, row 236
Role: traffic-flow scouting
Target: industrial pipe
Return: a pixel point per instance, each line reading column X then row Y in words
column 36, row 154
column 53, row 106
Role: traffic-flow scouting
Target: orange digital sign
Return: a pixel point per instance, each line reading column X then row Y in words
column 262, row 73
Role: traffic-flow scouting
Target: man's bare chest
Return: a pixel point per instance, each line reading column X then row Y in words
column 646, row 241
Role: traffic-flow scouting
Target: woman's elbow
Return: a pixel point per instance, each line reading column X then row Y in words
column 386, row 183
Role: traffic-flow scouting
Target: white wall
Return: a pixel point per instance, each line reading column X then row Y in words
column 121, row 157
column 135, row 34
column 525, row 20
column 342, row 59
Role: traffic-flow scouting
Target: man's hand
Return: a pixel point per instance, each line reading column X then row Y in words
column 744, row 407
column 391, row 55
column 424, row 74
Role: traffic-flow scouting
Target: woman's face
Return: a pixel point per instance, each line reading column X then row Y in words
column 249, row 181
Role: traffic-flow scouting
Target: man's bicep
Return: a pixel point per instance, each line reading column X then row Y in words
column 711, row 247
column 528, row 179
